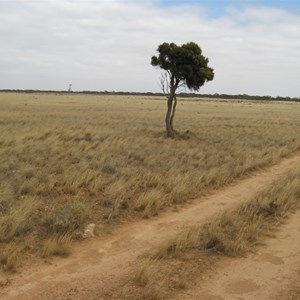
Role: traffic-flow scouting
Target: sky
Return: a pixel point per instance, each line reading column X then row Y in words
column 253, row 46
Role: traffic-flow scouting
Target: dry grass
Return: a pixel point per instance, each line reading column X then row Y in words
column 66, row 219
column 150, row 202
column 59, row 245
column 109, row 156
column 232, row 233
column 17, row 218
column 10, row 257
column 146, row 279
column 146, row 272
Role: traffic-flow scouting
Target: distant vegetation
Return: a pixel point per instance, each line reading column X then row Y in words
column 181, row 95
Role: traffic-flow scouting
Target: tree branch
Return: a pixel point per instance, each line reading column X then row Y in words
column 164, row 83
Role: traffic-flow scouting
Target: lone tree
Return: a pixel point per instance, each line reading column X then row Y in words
column 184, row 66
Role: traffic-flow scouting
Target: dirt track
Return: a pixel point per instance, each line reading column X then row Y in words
column 98, row 267
column 263, row 275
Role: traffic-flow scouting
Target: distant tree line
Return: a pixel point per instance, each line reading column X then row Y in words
column 181, row 95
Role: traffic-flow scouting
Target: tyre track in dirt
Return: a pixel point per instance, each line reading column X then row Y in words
column 267, row 274
column 97, row 268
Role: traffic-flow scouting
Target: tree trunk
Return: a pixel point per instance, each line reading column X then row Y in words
column 172, row 102
column 170, row 132
column 173, row 112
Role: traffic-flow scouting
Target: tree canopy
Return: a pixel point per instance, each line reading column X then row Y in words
column 186, row 63
column 185, row 66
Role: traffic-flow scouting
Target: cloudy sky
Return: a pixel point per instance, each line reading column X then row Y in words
column 254, row 46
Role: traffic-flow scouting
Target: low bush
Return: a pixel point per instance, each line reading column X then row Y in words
column 66, row 220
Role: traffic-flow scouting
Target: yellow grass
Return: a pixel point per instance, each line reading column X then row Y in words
column 57, row 245
column 232, row 233
column 110, row 156
column 235, row 232
column 17, row 219
column 10, row 256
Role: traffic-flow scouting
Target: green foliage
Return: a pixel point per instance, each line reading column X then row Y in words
column 185, row 63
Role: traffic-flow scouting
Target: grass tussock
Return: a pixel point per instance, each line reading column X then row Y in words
column 10, row 257
column 58, row 245
column 146, row 272
column 67, row 219
column 150, row 202
column 145, row 279
column 25, row 225
column 111, row 152
column 17, row 219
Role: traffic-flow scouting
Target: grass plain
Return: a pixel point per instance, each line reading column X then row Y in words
column 67, row 160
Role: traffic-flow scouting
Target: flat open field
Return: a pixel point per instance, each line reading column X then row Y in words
column 70, row 160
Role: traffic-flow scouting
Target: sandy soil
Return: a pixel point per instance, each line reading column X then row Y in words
column 98, row 267
column 267, row 274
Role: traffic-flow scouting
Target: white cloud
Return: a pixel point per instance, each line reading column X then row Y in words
column 107, row 45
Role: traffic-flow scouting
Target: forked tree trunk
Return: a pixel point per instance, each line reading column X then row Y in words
column 173, row 112
column 172, row 102
column 168, row 117
column 170, row 113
